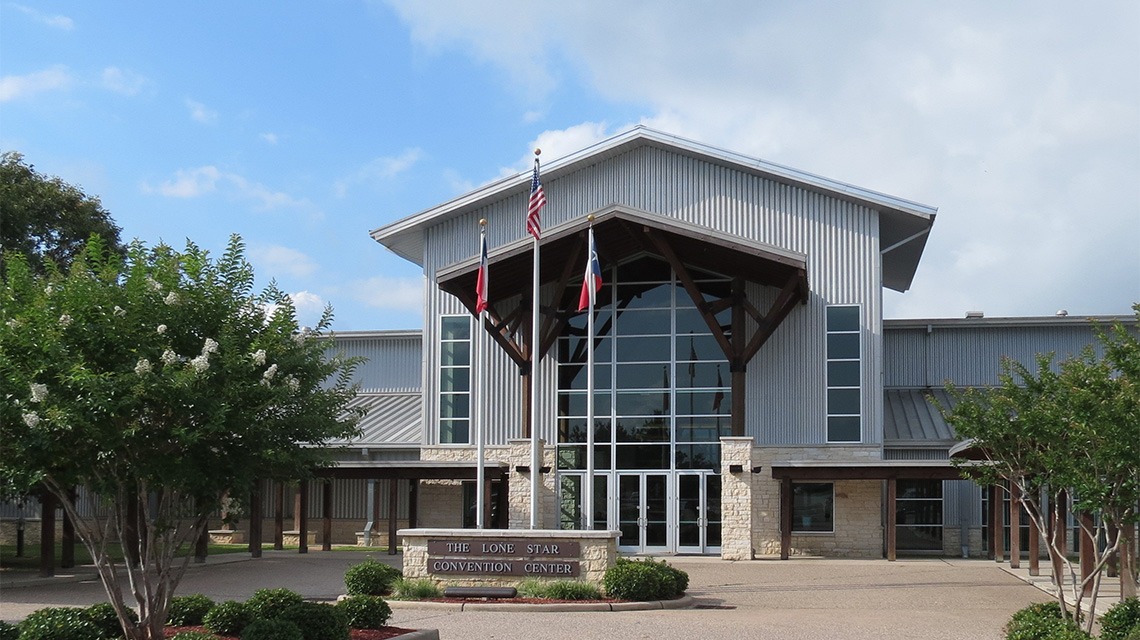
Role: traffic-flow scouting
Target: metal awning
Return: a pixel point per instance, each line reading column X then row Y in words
column 866, row 470
column 411, row 470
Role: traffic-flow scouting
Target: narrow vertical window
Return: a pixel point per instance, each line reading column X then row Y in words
column 844, row 391
column 455, row 380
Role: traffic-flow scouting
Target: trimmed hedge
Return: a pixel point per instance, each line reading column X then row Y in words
column 193, row 635
column 318, row 621
column 365, row 612
column 558, row 589
column 188, row 610
column 8, row 631
column 59, row 623
column 269, row 604
column 1121, row 621
column 1042, row 621
column 644, row 580
column 371, row 578
column 229, row 618
column 272, row 630
column 415, row 589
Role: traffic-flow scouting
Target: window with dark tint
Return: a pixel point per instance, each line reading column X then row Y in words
column 454, row 380
column 844, row 391
column 813, row 506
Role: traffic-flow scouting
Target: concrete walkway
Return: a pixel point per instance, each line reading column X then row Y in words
column 793, row 599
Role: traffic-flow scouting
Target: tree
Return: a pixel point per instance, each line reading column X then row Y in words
column 46, row 219
column 158, row 383
column 1067, row 430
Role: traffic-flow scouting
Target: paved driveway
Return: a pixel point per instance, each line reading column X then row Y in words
column 794, row 599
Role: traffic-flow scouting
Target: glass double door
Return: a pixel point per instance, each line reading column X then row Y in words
column 655, row 511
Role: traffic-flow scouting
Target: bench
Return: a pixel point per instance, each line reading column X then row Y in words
column 479, row 592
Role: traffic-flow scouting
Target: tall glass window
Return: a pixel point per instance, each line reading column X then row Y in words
column 455, row 380
column 662, row 385
column 918, row 515
column 844, row 391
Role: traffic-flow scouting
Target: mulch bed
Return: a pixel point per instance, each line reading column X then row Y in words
column 517, row 600
column 355, row 634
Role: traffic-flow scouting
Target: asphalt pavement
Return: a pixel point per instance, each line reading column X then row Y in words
column 801, row 598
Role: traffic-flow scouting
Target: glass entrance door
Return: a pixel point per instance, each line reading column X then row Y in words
column 643, row 512
column 698, row 513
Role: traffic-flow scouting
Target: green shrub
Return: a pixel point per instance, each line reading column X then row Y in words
column 1121, row 620
column 318, row 621
column 193, row 635
column 1134, row 634
column 269, row 604
column 8, row 631
column 1041, row 621
column 188, row 610
column 370, row 578
column 415, row 589
column 59, row 623
column 228, row 618
column 639, row 581
column 365, row 612
column 105, row 618
column 266, row 629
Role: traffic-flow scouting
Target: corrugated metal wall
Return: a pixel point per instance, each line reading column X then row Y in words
column 971, row 355
column 349, row 500
column 786, row 380
column 394, row 362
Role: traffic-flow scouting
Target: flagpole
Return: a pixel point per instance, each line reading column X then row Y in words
column 535, row 453
column 588, row 490
column 480, row 386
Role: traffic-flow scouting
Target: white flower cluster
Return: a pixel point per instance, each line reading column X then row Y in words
column 153, row 284
column 293, row 384
column 161, row 329
column 64, row 320
column 301, row 336
column 211, row 346
column 39, row 392
column 258, row 357
column 31, row 419
column 169, row 357
column 268, row 375
column 48, row 289
column 200, row 363
column 171, row 298
column 143, row 367
column 119, row 311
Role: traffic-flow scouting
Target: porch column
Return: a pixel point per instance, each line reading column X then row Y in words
column 393, row 496
column 785, row 518
column 1034, row 548
column 301, row 516
column 67, row 543
column 278, row 515
column 255, row 519
column 47, row 534
column 1086, row 552
column 737, row 364
column 892, row 517
column 997, row 550
column 1014, row 526
column 414, row 499
column 735, row 498
column 326, row 515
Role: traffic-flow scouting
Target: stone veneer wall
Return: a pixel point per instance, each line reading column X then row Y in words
column 736, row 497
column 858, row 505
column 598, row 553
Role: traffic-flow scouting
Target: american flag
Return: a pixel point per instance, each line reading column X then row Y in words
column 535, row 205
column 481, row 279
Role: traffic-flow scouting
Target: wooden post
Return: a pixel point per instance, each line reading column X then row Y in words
column 393, row 496
column 67, row 550
column 1086, row 552
column 503, row 505
column 785, row 518
column 1034, row 548
column 326, row 515
column 413, row 502
column 301, row 517
column 737, row 364
column 997, row 548
column 255, row 519
column 892, row 518
column 47, row 534
column 278, row 515
column 1014, row 526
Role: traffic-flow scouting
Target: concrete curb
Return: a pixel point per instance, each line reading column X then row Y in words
column 420, row 634
column 683, row 602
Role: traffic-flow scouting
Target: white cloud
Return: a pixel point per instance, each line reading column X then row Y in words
column 276, row 259
column 193, row 183
column 309, row 307
column 55, row 21
column 200, row 112
column 26, row 86
column 270, row 138
column 382, row 292
column 379, row 170
column 1019, row 124
column 122, row 81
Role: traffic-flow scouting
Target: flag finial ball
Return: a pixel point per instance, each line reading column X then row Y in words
column 482, row 222
column 537, row 151
column 590, row 217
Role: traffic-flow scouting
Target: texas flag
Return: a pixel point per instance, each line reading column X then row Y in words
column 481, row 279
column 592, row 280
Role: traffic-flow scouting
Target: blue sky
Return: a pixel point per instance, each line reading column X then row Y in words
column 301, row 126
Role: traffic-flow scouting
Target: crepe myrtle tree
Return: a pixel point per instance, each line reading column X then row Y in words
column 158, row 383
column 1066, row 431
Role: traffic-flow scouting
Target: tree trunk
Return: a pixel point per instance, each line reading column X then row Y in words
column 1127, row 555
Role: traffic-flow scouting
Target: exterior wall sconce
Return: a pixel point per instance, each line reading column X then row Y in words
column 525, row 468
column 736, row 468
